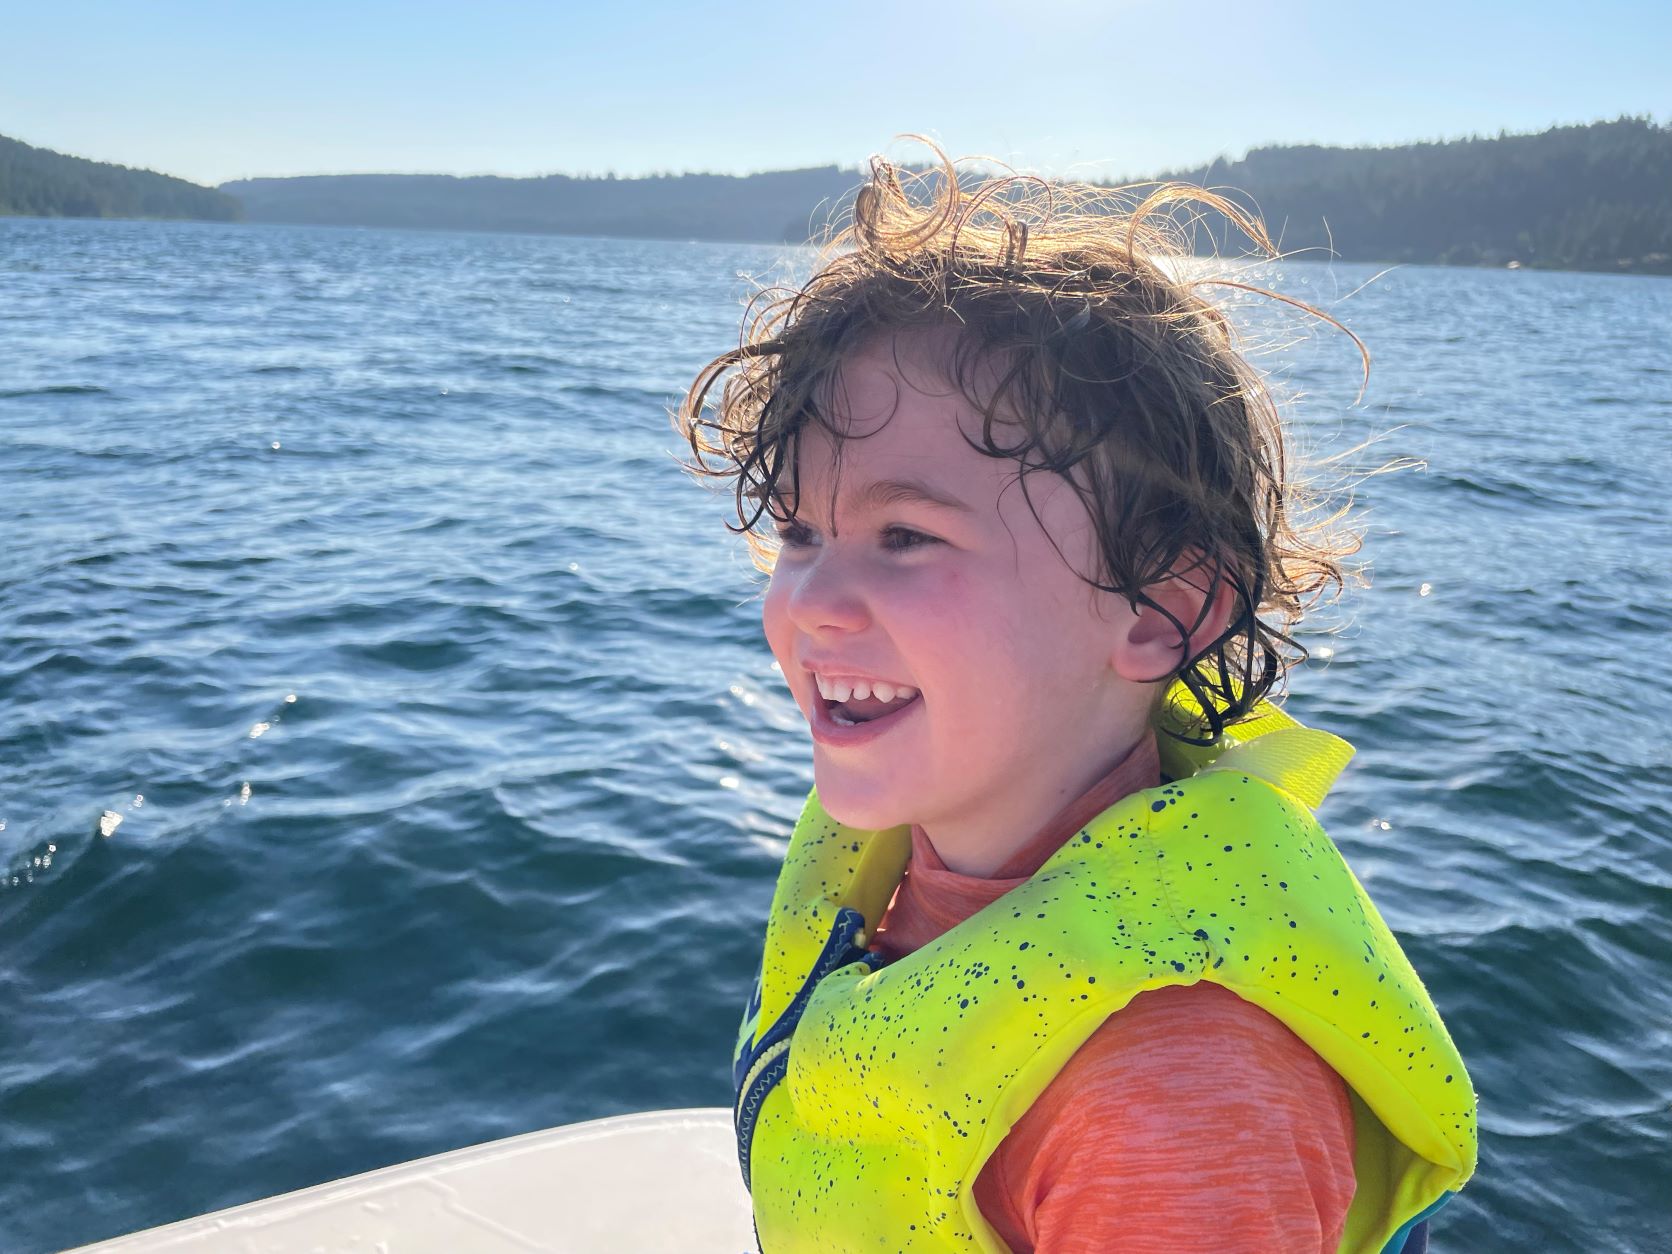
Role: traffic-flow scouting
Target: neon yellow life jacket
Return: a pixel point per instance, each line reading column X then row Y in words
column 870, row 1095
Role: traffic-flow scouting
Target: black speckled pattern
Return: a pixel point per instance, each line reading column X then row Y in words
column 902, row 1081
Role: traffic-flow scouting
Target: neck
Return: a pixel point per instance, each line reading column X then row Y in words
column 979, row 842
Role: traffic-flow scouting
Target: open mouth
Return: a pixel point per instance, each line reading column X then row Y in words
column 858, row 710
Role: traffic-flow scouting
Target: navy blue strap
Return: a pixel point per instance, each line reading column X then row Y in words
column 839, row 951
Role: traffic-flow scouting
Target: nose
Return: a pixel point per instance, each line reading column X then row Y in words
column 824, row 593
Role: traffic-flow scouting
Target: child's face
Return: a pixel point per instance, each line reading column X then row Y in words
column 1029, row 679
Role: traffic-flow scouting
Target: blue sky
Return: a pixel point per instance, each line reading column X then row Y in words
column 216, row 91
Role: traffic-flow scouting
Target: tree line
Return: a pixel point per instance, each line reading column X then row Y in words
column 1592, row 197
column 40, row 183
column 1596, row 197
column 772, row 207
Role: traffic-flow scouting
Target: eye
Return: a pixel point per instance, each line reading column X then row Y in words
column 907, row 539
column 793, row 535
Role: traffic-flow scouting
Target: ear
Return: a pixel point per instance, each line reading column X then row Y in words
column 1149, row 649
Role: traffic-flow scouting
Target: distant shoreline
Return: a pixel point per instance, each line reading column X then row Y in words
column 1589, row 199
column 688, row 239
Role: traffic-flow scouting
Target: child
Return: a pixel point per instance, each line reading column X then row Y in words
column 1059, row 958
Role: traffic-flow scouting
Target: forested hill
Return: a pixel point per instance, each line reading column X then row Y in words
column 1595, row 197
column 38, row 182
column 781, row 205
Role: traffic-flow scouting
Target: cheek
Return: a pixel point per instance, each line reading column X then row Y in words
column 930, row 618
column 775, row 623
column 965, row 640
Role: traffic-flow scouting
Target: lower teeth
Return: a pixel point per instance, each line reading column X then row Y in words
column 842, row 721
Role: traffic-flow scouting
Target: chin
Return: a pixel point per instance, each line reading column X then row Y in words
column 856, row 803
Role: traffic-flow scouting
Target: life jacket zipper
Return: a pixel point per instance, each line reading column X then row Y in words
column 768, row 1061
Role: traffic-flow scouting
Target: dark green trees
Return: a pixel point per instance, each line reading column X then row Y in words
column 38, row 182
column 1595, row 197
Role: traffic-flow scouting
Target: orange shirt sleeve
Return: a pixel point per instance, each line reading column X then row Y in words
column 1190, row 1121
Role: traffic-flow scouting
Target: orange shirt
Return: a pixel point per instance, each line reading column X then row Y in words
column 1191, row 1120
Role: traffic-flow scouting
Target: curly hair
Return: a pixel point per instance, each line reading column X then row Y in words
column 1118, row 373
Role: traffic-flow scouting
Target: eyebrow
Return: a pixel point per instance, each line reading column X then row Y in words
column 881, row 493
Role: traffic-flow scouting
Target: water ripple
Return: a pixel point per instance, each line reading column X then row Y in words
column 390, row 741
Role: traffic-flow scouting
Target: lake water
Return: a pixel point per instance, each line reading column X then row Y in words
column 353, row 573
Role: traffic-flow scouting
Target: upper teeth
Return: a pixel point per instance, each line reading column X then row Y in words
column 846, row 689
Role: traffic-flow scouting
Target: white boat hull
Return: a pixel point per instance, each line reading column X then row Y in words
column 662, row 1181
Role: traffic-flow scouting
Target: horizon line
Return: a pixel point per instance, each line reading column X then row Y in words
column 979, row 161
